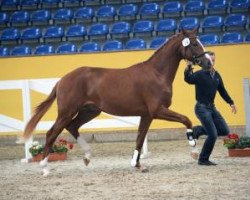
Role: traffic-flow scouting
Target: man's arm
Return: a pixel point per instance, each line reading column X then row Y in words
column 189, row 76
column 224, row 94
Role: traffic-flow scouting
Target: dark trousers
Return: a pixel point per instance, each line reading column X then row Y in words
column 213, row 125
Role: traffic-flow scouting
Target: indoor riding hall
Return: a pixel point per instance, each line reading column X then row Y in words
column 42, row 40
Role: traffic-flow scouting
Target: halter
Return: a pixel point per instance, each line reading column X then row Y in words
column 194, row 58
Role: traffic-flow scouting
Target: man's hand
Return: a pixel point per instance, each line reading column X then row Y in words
column 234, row 109
column 189, row 65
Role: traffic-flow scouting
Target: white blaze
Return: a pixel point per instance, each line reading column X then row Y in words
column 206, row 55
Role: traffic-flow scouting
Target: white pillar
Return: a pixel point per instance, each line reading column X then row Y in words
column 247, row 104
column 26, row 117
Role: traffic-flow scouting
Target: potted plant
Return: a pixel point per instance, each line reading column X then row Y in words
column 237, row 146
column 59, row 148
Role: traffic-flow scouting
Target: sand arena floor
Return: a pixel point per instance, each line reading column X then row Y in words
column 173, row 174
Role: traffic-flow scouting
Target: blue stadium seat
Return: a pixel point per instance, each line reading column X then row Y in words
column 172, row 9
column 235, row 22
column 113, row 45
column 29, row 4
column 40, row 17
column 66, row 48
column 9, row 5
column 120, row 30
column 136, row 43
column 149, row 10
column 21, row 51
column 53, row 34
column 217, row 7
column 143, row 28
column 212, row 23
column 71, row 3
column 210, row 39
column 20, row 18
column 248, row 37
column 31, row 35
column 90, row 47
column 85, row 14
column 63, row 15
column 10, row 35
column 165, row 26
column 106, row 13
column 189, row 23
column 76, row 32
column 3, row 19
column 157, row 42
column 50, row 3
column 240, row 6
column 4, row 51
column 44, row 49
column 194, row 8
column 98, row 31
column 128, row 12
column 232, row 37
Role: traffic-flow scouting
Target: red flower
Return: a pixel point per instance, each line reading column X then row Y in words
column 70, row 145
column 63, row 141
column 233, row 136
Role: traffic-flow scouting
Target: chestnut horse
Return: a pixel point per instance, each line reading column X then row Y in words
column 144, row 89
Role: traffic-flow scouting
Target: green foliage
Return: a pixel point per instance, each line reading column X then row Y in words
column 244, row 142
column 233, row 141
column 58, row 147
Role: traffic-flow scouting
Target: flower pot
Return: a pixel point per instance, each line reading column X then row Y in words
column 52, row 157
column 239, row 152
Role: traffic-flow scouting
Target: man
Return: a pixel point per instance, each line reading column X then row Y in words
column 207, row 83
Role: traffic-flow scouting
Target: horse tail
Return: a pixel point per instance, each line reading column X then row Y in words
column 39, row 113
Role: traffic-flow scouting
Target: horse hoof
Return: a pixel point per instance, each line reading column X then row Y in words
column 194, row 155
column 144, row 170
column 86, row 161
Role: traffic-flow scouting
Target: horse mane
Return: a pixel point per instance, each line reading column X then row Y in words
column 164, row 44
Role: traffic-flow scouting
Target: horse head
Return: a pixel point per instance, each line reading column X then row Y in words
column 193, row 50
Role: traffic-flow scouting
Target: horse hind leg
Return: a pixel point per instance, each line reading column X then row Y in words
column 51, row 136
column 85, row 115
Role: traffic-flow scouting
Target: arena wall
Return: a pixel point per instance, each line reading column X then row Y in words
column 232, row 61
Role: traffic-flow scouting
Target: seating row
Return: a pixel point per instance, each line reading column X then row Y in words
column 126, row 11
column 114, row 45
column 124, row 29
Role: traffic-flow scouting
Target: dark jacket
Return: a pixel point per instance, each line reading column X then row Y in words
column 206, row 86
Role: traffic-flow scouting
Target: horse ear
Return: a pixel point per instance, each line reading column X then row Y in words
column 195, row 31
column 184, row 32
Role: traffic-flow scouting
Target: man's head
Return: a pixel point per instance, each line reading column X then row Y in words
column 212, row 55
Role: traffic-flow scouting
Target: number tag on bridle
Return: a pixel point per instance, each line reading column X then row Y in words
column 185, row 42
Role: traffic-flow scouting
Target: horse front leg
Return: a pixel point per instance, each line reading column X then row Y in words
column 169, row 115
column 142, row 131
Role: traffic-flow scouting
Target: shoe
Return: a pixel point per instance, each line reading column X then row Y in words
column 206, row 163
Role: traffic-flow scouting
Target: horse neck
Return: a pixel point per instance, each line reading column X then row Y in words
column 166, row 59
